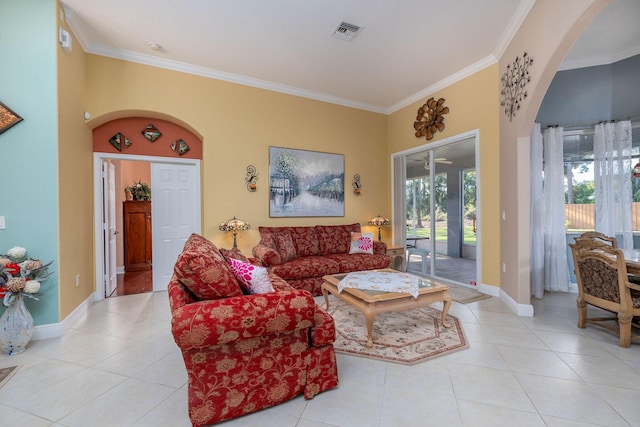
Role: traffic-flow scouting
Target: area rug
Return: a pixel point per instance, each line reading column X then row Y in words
column 6, row 374
column 407, row 337
column 464, row 295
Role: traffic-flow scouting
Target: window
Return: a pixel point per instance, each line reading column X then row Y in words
column 579, row 180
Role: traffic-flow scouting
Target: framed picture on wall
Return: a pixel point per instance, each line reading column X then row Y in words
column 305, row 183
column 8, row 118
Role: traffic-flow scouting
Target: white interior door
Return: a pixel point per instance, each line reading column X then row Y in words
column 175, row 211
column 109, row 192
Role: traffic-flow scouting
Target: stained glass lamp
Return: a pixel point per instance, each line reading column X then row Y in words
column 234, row 225
column 379, row 221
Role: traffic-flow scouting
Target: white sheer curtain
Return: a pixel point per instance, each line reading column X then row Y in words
column 556, row 272
column 537, row 232
column 612, row 176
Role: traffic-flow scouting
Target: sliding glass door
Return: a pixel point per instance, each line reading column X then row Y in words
column 440, row 203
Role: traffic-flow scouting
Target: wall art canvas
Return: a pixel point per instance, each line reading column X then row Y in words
column 305, row 183
column 7, row 118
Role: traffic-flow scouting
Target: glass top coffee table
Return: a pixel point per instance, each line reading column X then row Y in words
column 373, row 302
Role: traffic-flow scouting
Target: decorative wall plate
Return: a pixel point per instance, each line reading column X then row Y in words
column 151, row 133
column 180, row 146
column 430, row 118
column 118, row 140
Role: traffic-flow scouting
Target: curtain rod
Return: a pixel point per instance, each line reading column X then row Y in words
column 632, row 118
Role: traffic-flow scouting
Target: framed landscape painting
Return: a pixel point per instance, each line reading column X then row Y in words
column 305, row 183
column 7, row 118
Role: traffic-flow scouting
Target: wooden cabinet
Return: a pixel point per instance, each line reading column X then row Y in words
column 137, row 235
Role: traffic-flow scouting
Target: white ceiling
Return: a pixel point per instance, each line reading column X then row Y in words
column 406, row 50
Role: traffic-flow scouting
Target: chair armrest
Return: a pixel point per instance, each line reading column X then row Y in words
column 266, row 254
column 379, row 247
column 214, row 322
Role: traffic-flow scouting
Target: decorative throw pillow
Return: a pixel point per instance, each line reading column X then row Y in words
column 233, row 253
column 361, row 243
column 252, row 278
column 284, row 242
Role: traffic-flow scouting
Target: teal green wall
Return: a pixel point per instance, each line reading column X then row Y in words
column 29, row 150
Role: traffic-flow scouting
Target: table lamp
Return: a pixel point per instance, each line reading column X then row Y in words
column 234, row 224
column 379, row 221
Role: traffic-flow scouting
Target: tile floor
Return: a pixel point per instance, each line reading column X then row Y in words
column 118, row 366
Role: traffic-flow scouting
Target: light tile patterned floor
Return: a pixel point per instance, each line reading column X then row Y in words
column 119, row 366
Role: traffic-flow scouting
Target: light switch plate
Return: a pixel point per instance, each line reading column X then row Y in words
column 3, row 225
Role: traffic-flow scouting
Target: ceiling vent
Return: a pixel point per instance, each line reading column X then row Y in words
column 346, row 31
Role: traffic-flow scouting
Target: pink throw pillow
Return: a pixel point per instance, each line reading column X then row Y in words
column 252, row 278
column 361, row 243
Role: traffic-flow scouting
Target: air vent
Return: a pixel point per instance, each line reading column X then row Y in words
column 346, row 31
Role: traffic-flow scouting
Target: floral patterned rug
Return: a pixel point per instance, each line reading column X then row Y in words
column 407, row 337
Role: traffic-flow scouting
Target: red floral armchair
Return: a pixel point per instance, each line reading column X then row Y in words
column 242, row 352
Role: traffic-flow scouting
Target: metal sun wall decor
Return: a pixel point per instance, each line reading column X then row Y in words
column 251, row 178
column 514, row 82
column 430, row 118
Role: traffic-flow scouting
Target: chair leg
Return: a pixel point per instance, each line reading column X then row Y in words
column 624, row 322
column 582, row 313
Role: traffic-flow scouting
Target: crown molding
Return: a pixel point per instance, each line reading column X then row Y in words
column 602, row 60
column 448, row 81
column 229, row 77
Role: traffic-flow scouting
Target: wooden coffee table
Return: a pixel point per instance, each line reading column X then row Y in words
column 374, row 302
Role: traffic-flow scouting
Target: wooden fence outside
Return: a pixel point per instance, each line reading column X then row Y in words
column 583, row 217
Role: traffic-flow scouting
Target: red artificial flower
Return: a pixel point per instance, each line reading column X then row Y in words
column 3, row 291
column 12, row 268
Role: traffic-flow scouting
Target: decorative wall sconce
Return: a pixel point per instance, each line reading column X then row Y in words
column 356, row 184
column 379, row 221
column 234, row 225
column 251, row 178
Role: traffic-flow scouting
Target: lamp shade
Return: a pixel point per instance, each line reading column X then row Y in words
column 379, row 220
column 234, row 224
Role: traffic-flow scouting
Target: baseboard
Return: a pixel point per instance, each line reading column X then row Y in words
column 55, row 330
column 525, row 310
column 494, row 291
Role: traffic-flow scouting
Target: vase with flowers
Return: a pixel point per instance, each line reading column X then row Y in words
column 20, row 277
column 139, row 191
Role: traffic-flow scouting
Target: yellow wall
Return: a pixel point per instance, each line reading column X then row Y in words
column 238, row 124
column 473, row 104
column 75, row 182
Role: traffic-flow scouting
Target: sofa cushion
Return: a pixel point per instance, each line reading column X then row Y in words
column 252, row 278
column 304, row 238
column 333, row 239
column 361, row 243
column 359, row 262
column 202, row 269
column 233, row 253
column 309, row 266
column 284, row 243
column 268, row 255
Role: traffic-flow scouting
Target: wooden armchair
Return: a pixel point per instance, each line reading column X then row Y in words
column 603, row 282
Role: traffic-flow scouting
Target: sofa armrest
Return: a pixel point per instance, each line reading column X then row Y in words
column 266, row 254
column 379, row 247
column 214, row 322
column 324, row 330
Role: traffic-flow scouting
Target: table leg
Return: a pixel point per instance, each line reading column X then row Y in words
column 446, row 303
column 325, row 294
column 369, row 317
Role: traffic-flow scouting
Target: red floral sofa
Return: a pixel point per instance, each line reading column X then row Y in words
column 243, row 352
column 317, row 251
